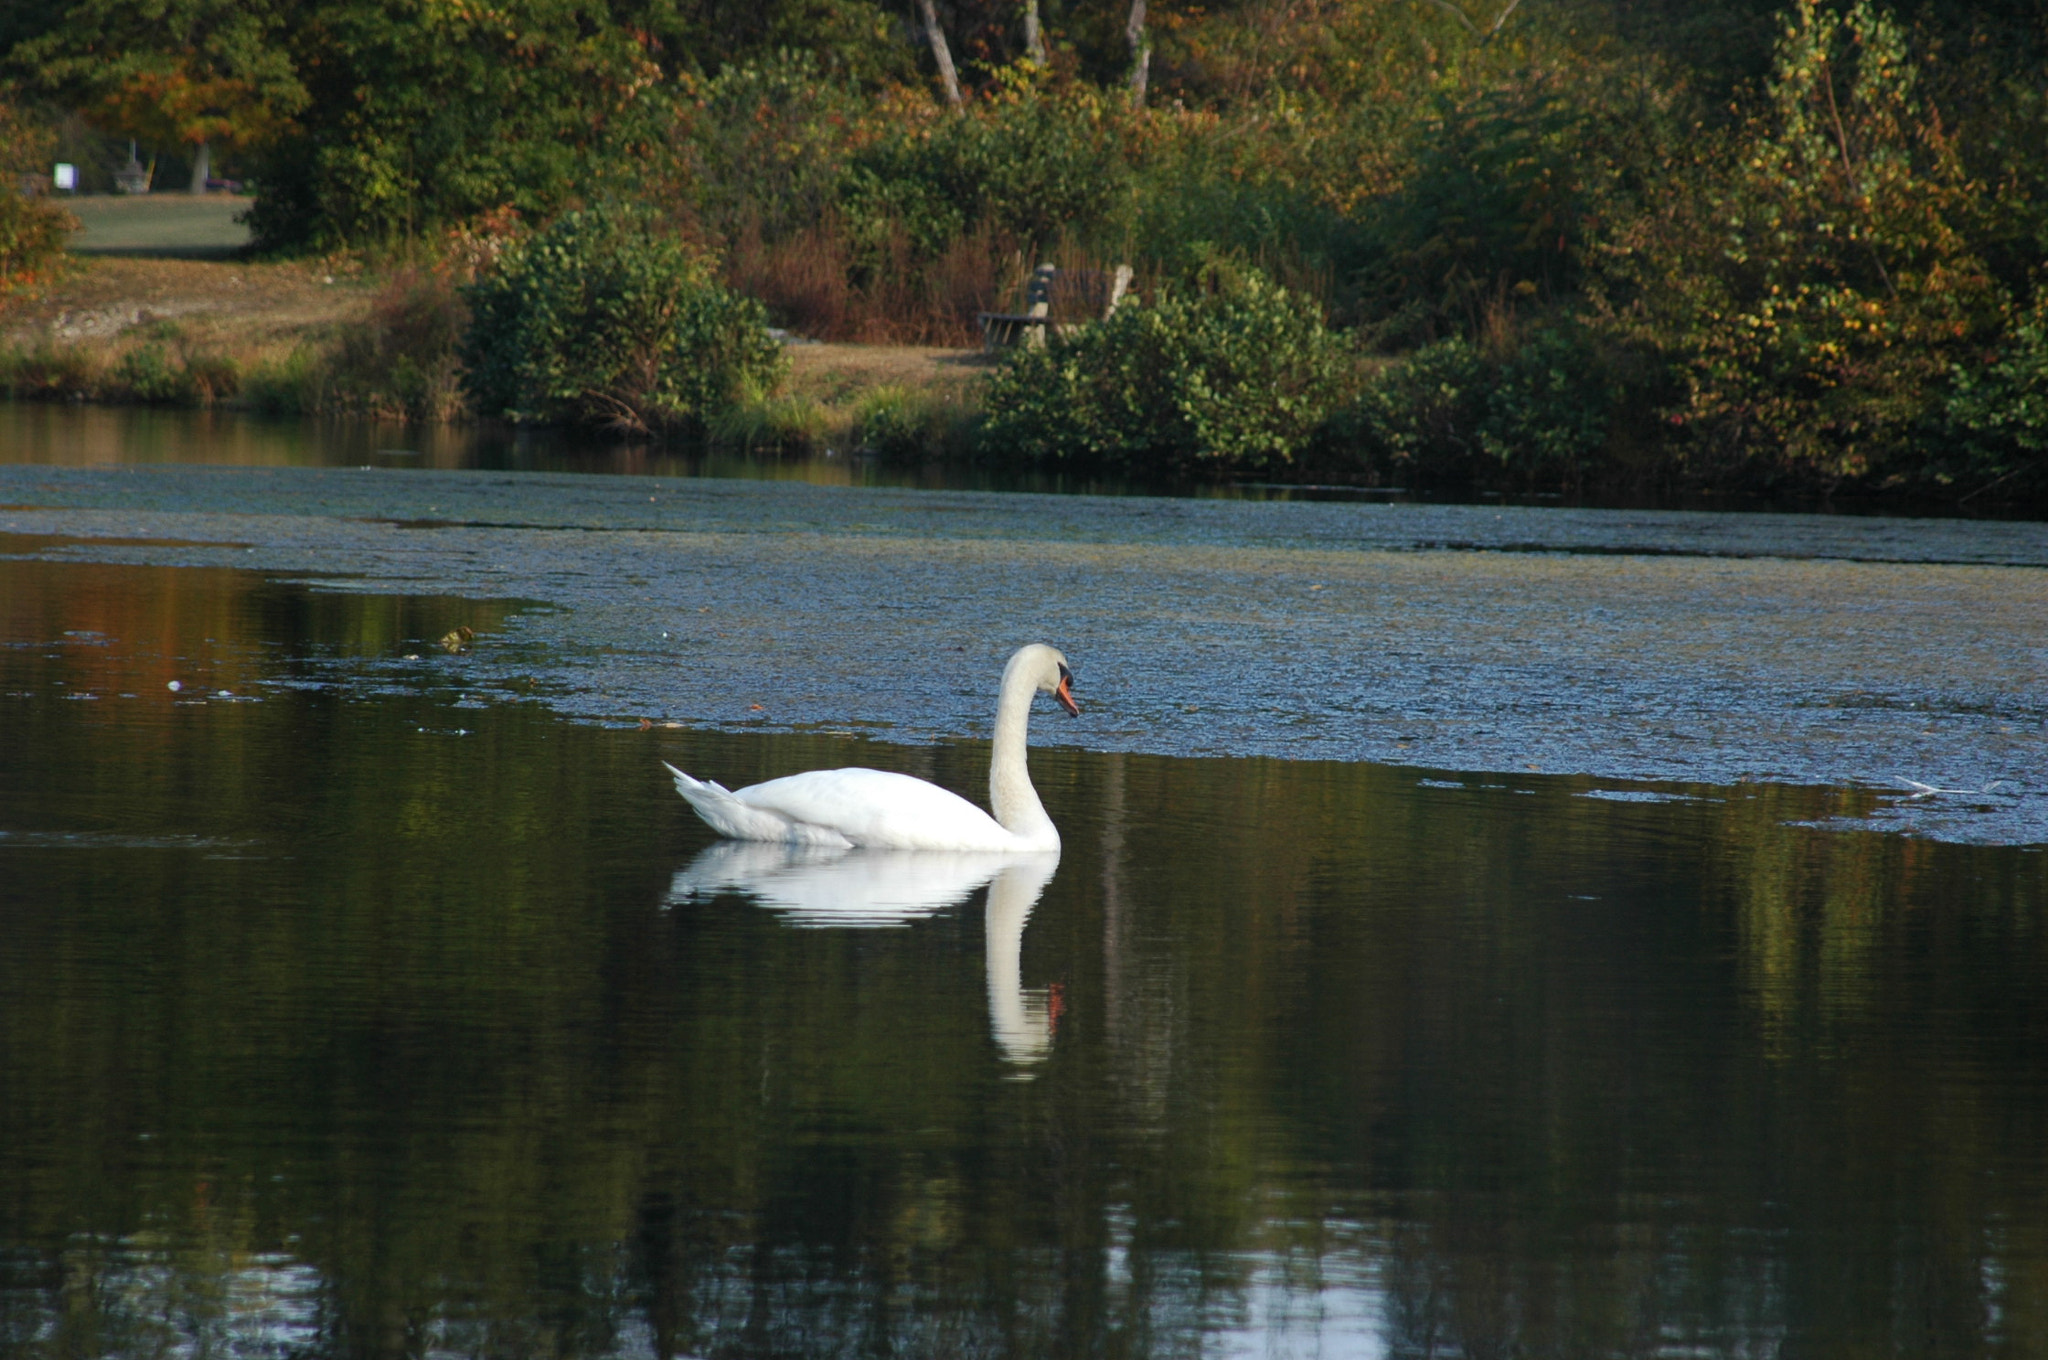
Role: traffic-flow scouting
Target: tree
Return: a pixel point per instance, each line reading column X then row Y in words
column 426, row 115
column 1485, row 35
column 1141, row 52
column 1814, row 282
column 941, row 53
column 194, row 73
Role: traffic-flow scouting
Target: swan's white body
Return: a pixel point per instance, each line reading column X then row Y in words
column 877, row 810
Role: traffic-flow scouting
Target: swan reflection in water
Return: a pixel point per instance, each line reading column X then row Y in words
column 816, row 886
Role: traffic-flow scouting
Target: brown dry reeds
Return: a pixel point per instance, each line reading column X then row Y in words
column 402, row 361
column 819, row 285
column 802, row 280
column 983, row 271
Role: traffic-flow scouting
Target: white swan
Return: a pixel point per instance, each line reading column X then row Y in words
column 875, row 809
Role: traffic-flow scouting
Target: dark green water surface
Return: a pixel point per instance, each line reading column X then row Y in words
column 355, row 1002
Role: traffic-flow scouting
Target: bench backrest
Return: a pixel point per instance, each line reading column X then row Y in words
column 1094, row 291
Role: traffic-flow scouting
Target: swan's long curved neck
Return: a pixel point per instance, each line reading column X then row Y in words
column 1010, row 795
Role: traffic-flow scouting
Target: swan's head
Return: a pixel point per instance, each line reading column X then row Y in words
column 1047, row 671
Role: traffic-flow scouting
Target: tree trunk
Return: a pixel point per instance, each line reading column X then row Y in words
column 1485, row 35
column 1141, row 53
column 202, row 168
column 941, row 54
column 1034, row 39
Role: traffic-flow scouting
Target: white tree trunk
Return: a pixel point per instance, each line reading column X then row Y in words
column 1141, row 53
column 941, row 53
column 202, row 168
column 1485, row 35
column 1034, row 39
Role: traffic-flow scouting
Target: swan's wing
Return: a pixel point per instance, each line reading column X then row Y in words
column 878, row 810
column 813, row 887
column 729, row 815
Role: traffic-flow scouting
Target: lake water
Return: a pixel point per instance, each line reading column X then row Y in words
column 1480, row 931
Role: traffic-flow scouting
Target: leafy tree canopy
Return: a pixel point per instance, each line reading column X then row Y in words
column 172, row 70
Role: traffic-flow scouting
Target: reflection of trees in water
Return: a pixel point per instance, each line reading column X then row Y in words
column 1138, row 987
column 1500, row 1074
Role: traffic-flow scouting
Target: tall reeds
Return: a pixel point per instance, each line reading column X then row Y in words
column 823, row 283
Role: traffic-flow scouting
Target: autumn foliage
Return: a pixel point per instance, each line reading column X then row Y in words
column 33, row 230
column 1762, row 246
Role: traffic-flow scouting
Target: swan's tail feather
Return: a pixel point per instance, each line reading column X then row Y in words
column 727, row 815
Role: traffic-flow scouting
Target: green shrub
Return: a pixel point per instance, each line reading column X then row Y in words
column 286, row 387
column 167, row 370
column 409, row 118
column 149, row 374
column 1490, row 209
column 1189, row 211
column 903, row 425
column 49, row 372
column 762, row 145
column 1810, row 280
column 403, row 360
column 1996, row 414
column 1029, row 164
column 771, row 424
column 1453, row 416
column 33, row 232
column 1234, row 374
column 604, row 319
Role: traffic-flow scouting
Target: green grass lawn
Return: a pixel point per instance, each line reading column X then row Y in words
column 169, row 226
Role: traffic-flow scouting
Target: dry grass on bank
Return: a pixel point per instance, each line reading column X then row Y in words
column 838, row 374
column 134, row 329
column 284, row 335
column 247, row 312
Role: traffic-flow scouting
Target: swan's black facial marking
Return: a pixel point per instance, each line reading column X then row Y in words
column 1064, row 694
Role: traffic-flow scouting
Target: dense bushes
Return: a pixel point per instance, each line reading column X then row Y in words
column 1492, row 210
column 161, row 367
column 402, row 362
column 1536, row 415
column 1994, row 423
column 1236, row 373
column 1026, row 163
column 33, row 231
column 606, row 319
column 1812, row 283
column 1614, row 244
column 890, row 221
column 417, row 117
column 32, row 236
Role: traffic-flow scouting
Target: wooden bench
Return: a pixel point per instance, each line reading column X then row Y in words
column 1092, row 289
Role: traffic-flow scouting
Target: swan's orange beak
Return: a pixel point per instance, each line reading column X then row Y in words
column 1066, row 695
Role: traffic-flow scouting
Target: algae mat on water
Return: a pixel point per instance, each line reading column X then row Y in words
column 1899, row 656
